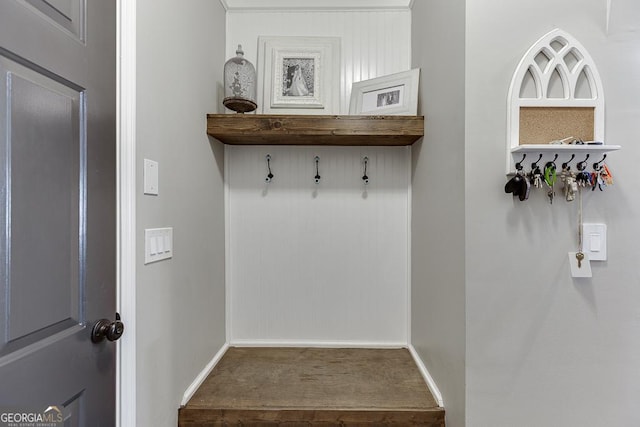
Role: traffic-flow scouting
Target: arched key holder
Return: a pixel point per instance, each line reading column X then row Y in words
column 105, row 328
column 556, row 102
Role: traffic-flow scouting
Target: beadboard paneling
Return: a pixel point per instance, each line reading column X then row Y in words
column 374, row 43
column 316, row 4
column 318, row 263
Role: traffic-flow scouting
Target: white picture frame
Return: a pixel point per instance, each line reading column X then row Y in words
column 394, row 94
column 299, row 75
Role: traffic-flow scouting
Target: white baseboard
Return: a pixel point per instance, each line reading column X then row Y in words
column 188, row 394
column 316, row 344
column 427, row 376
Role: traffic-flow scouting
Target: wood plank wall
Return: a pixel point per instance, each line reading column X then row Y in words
column 374, row 43
column 318, row 263
column 329, row 266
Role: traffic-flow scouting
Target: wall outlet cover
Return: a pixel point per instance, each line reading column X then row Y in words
column 150, row 177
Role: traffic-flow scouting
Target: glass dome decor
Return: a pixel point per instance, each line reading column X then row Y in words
column 239, row 84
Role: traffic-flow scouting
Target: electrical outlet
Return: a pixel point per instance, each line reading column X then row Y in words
column 150, row 177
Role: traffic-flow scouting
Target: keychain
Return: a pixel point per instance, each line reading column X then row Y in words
column 583, row 178
column 570, row 185
column 601, row 175
column 596, row 181
column 536, row 177
column 550, row 179
column 606, row 176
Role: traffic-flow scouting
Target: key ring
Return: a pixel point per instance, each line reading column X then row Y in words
column 550, row 175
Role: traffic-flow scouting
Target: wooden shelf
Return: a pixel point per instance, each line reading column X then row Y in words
column 255, row 129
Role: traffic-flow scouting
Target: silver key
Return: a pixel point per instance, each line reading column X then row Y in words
column 579, row 257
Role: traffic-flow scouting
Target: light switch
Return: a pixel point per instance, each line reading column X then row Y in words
column 167, row 243
column 150, row 177
column 594, row 241
column 153, row 247
column 158, row 244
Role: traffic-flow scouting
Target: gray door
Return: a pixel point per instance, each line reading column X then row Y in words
column 58, row 216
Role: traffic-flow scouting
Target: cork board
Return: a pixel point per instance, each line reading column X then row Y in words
column 541, row 125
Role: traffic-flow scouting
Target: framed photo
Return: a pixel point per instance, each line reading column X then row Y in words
column 395, row 94
column 299, row 75
column 296, row 79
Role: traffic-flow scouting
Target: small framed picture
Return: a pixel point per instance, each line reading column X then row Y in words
column 298, row 75
column 395, row 94
column 296, row 79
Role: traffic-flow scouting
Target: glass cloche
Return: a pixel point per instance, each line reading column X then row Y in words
column 239, row 84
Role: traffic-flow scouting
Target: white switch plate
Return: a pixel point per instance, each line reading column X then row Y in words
column 150, row 177
column 158, row 244
column 594, row 241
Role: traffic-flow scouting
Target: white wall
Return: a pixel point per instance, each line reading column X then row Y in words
column 542, row 348
column 180, row 302
column 331, row 268
column 320, row 263
column 438, row 217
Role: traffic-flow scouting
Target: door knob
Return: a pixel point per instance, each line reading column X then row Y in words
column 105, row 328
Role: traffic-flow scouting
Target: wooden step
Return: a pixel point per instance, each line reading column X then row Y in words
column 313, row 386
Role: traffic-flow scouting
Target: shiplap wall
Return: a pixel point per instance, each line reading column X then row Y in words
column 374, row 43
column 318, row 263
column 323, row 264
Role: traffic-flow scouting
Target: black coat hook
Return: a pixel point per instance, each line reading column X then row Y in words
column 317, row 177
column 535, row 164
column 565, row 165
column 519, row 164
column 596, row 165
column 551, row 164
column 583, row 164
column 269, row 177
column 365, row 178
